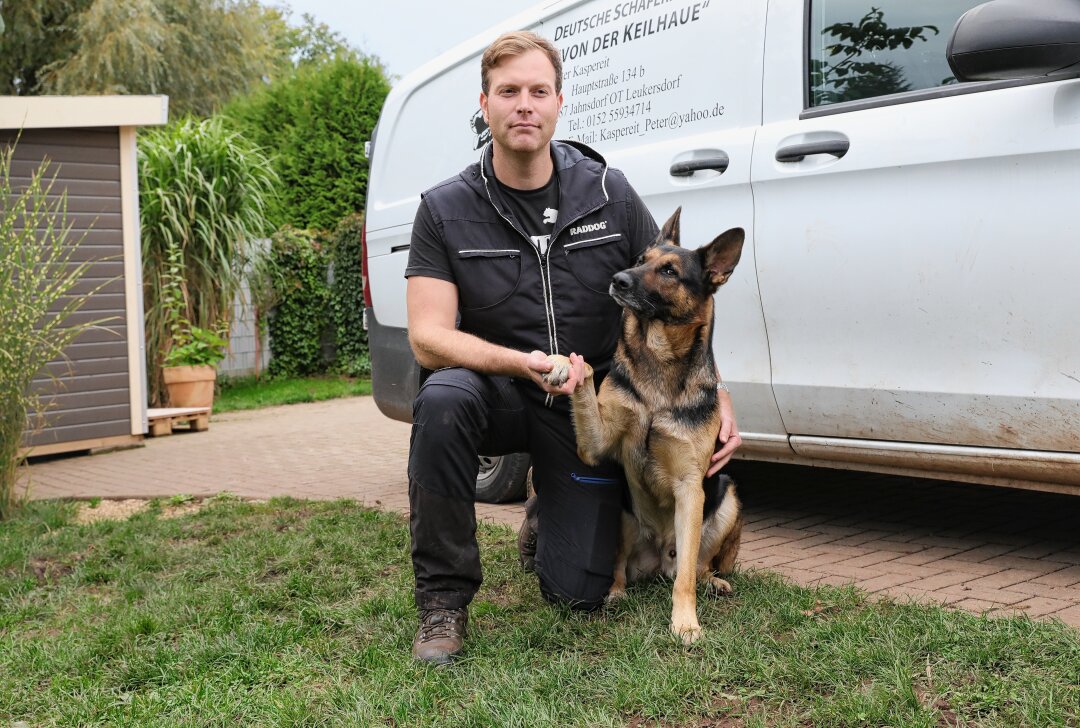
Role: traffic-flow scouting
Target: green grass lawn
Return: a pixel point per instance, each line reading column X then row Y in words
column 300, row 613
column 250, row 393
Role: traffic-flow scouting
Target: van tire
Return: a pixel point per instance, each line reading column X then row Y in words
column 502, row 478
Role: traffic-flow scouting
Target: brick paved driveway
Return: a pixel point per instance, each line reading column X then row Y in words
column 970, row 547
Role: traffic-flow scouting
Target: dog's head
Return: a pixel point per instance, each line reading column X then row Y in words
column 670, row 283
column 669, row 559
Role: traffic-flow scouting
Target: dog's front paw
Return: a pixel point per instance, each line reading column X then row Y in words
column 719, row 587
column 684, row 625
column 688, row 632
column 560, row 370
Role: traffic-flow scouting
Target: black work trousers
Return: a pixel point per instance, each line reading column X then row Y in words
column 459, row 415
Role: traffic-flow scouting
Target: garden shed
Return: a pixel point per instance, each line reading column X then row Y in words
column 98, row 397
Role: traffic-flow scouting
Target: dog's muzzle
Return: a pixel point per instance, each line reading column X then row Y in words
column 621, row 288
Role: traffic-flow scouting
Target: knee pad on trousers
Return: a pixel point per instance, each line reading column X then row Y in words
column 576, row 605
column 439, row 398
column 572, row 587
column 448, row 422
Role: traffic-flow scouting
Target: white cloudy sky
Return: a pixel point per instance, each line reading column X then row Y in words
column 406, row 33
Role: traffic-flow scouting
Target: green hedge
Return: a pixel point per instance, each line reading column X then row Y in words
column 314, row 123
column 301, row 316
column 316, row 324
column 347, row 298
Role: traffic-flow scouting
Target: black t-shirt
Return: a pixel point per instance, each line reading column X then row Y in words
column 427, row 253
column 536, row 210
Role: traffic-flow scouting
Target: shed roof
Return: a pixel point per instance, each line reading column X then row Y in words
column 60, row 112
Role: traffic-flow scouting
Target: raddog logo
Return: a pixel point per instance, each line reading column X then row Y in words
column 480, row 128
column 581, row 229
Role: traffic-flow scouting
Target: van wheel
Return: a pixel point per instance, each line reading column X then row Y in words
column 502, row 478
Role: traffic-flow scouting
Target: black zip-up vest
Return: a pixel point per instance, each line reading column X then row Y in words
column 510, row 294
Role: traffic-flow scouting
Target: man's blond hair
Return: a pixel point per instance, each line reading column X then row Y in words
column 516, row 43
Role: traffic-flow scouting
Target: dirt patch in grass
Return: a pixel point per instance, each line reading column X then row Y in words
column 169, row 511
column 49, row 569
column 120, row 510
column 109, row 510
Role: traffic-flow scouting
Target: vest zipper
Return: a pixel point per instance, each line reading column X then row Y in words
column 544, row 259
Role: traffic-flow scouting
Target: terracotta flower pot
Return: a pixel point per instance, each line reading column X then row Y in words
column 190, row 386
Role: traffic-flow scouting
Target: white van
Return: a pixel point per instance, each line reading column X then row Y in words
column 909, row 296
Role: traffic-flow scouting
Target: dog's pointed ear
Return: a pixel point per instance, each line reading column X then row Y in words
column 669, row 234
column 720, row 257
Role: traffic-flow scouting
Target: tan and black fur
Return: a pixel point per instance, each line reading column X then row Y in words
column 657, row 413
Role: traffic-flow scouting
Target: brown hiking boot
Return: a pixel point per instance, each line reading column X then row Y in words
column 527, row 537
column 441, row 635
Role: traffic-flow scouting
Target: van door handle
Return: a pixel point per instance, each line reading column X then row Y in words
column 799, row 152
column 718, row 162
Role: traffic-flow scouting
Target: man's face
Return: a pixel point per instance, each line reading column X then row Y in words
column 521, row 106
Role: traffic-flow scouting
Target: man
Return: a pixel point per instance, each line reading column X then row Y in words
column 510, row 261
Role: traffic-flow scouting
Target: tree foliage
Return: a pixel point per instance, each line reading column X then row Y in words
column 35, row 34
column 201, row 53
column 312, row 42
column 847, row 75
column 315, row 122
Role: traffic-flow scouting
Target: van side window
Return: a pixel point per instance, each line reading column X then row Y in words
column 860, row 49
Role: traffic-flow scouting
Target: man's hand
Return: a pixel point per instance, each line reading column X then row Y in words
column 728, row 439
column 538, row 365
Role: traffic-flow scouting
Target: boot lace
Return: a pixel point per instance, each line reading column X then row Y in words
column 439, row 624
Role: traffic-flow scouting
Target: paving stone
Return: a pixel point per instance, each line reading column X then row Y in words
column 884, row 581
column 765, row 562
column 939, row 581
column 1068, row 576
column 1041, row 606
column 890, row 544
column 818, row 562
column 928, row 555
column 975, row 569
column 1070, row 616
column 905, row 593
column 984, row 552
column 1002, row 579
column 858, row 573
column 962, row 591
column 872, row 559
column 912, row 570
column 1011, row 561
column 978, row 606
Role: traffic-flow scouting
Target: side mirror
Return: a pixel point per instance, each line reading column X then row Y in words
column 1010, row 39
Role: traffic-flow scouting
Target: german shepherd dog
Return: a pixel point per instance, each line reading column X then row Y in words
column 657, row 414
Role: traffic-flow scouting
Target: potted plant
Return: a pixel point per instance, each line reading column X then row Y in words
column 190, row 368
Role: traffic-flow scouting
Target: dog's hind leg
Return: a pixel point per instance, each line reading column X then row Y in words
column 730, row 520
column 724, row 563
column 628, row 537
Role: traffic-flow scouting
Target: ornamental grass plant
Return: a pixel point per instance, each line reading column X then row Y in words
column 38, row 279
column 204, row 195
